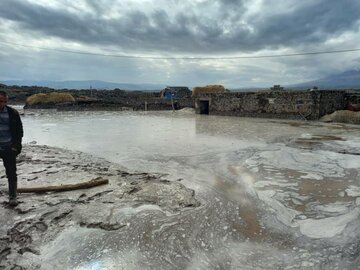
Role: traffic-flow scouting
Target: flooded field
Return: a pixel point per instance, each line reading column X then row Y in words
column 273, row 194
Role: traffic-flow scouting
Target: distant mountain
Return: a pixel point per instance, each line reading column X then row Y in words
column 94, row 84
column 248, row 89
column 346, row 80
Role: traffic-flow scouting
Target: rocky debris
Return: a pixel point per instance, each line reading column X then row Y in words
column 38, row 219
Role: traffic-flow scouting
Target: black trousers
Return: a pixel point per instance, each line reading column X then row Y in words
column 9, row 159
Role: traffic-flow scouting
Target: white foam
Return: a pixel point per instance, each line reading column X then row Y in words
column 327, row 227
column 312, row 176
column 284, row 214
column 337, row 207
column 317, row 163
column 353, row 191
column 349, row 161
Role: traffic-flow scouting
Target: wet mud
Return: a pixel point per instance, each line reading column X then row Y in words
column 40, row 218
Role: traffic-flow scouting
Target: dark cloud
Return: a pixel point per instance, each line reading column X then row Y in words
column 232, row 2
column 100, row 6
column 187, row 31
column 309, row 24
column 45, row 20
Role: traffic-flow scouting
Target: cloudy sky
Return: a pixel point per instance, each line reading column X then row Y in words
column 178, row 42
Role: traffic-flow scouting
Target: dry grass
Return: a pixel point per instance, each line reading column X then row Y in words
column 207, row 89
column 49, row 98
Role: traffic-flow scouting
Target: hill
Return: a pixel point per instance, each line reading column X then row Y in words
column 347, row 80
column 94, row 84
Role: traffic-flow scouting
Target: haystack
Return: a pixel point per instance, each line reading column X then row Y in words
column 342, row 116
column 207, row 89
column 49, row 98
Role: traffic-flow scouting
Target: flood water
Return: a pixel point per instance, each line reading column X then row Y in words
column 274, row 194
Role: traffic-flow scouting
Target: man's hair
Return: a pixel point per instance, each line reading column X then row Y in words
column 3, row 93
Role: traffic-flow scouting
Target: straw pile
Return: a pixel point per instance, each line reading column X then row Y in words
column 49, row 98
column 207, row 89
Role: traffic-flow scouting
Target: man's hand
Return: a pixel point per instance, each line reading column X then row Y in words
column 15, row 150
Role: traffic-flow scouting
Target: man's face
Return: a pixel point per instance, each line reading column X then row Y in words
column 3, row 102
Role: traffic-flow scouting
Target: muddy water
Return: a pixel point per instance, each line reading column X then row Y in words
column 274, row 194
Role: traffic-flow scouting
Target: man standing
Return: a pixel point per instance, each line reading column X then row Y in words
column 11, row 133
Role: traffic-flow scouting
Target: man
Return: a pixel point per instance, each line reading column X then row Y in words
column 11, row 133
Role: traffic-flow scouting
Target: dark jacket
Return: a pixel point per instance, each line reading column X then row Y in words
column 16, row 129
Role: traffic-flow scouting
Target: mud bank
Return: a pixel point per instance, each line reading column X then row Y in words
column 28, row 230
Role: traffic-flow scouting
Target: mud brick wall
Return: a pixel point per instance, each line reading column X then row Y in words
column 275, row 104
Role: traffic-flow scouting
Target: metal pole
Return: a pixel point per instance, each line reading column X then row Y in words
column 172, row 103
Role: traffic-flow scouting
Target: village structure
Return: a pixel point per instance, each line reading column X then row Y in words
column 275, row 102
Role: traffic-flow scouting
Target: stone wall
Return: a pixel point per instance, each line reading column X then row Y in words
column 134, row 100
column 353, row 96
column 331, row 101
column 102, row 99
column 274, row 104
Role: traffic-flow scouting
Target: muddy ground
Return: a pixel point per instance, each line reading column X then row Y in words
column 39, row 218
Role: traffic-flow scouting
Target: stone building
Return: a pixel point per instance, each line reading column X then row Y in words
column 273, row 104
column 277, row 87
